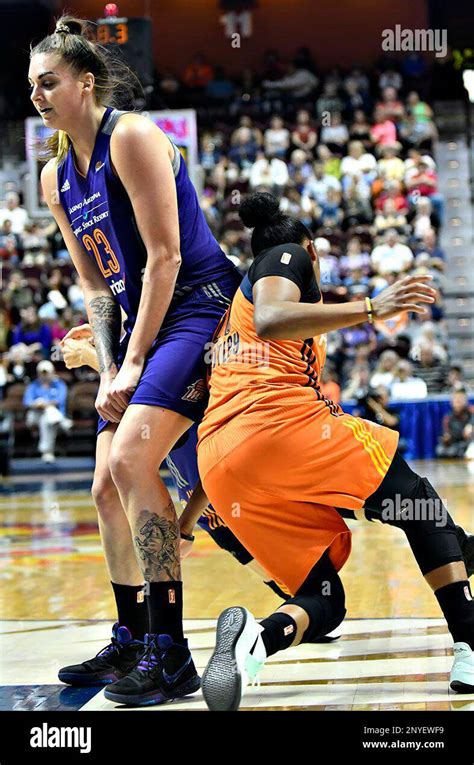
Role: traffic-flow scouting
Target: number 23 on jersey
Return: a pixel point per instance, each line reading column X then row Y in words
column 92, row 244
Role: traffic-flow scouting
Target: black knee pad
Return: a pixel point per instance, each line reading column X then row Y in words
column 325, row 608
column 432, row 532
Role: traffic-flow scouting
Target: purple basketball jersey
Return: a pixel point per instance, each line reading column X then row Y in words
column 102, row 219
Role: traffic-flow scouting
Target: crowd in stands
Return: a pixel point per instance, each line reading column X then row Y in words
column 349, row 154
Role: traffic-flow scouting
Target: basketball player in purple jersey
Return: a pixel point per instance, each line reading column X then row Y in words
column 121, row 195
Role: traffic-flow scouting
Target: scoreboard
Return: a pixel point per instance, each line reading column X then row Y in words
column 131, row 39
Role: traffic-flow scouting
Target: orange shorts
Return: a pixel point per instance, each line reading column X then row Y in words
column 277, row 487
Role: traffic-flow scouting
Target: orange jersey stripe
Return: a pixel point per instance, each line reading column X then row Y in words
column 374, row 443
column 369, row 445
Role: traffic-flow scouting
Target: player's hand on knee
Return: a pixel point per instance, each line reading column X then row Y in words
column 105, row 403
column 124, row 384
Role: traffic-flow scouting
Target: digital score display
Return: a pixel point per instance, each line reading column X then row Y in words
column 110, row 33
column 131, row 39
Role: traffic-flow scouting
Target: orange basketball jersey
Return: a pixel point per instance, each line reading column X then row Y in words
column 248, row 374
column 258, row 385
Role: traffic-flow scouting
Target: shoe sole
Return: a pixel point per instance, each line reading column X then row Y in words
column 222, row 679
column 155, row 697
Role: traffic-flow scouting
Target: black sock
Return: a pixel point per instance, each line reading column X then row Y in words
column 131, row 608
column 165, row 609
column 279, row 632
column 457, row 606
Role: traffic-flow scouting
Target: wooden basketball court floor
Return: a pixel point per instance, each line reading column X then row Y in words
column 394, row 651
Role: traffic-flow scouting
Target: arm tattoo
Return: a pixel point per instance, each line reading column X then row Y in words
column 157, row 546
column 106, row 323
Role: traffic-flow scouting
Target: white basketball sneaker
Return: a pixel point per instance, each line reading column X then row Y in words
column 462, row 673
column 234, row 664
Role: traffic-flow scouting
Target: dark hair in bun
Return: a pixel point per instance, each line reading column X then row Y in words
column 261, row 211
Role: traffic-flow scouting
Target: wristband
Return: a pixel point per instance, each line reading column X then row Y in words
column 370, row 310
column 187, row 537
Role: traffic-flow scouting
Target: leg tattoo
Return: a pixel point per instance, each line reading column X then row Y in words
column 157, row 545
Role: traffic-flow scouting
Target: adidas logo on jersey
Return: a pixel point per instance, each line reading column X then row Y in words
column 66, row 185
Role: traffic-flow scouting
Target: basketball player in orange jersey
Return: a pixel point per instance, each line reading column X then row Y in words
column 78, row 350
column 276, row 457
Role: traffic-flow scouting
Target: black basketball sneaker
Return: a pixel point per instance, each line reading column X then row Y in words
column 109, row 665
column 165, row 672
